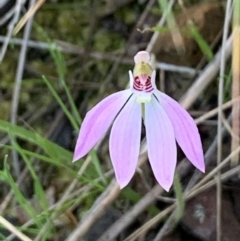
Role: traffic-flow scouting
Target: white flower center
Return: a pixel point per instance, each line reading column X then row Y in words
column 144, row 98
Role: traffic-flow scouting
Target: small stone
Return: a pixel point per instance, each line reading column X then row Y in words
column 200, row 217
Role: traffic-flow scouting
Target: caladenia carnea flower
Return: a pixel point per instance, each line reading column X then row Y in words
column 165, row 121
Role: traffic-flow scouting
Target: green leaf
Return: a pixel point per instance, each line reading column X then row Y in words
column 38, row 189
column 161, row 29
column 33, row 137
column 25, row 204
column 61, row 67
column 97, row 166
column 203, row 45
column 62, row 105
column 179, row 197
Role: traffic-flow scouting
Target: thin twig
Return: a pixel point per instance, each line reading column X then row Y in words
column 11, row 25
column 178, row 69
column 17, row 86
column 219, row 128
column 73, row 49
column 9, row 196
column 107, row 197
column 97, row 209
column 165, row 227
column 160, row 24
column 63, row 198
column 54, row 207
column 213, row 112
column 236, row 78
column 28, row 15
column 131, row 215
column 207, row 75
column 12, row 229
column 196, row 176
column 200, row 187
column 7, row 15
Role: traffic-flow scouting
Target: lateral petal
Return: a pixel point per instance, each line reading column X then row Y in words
column 97, row 122
column 185, row 129
column 125, row 141
column 161, row 143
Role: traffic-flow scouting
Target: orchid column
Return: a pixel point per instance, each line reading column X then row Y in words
column 165, row 121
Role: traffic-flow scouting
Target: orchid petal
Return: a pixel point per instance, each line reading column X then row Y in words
column 97, row 122
column 153, row 79
column 161, row 143
column 186, row 131
column 142, row 56
column 125, row 141
column 131, row 79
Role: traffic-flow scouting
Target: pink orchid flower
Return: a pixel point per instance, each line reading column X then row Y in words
column 165, row 121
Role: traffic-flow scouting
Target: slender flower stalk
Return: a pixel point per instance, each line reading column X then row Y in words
column 165, row 121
